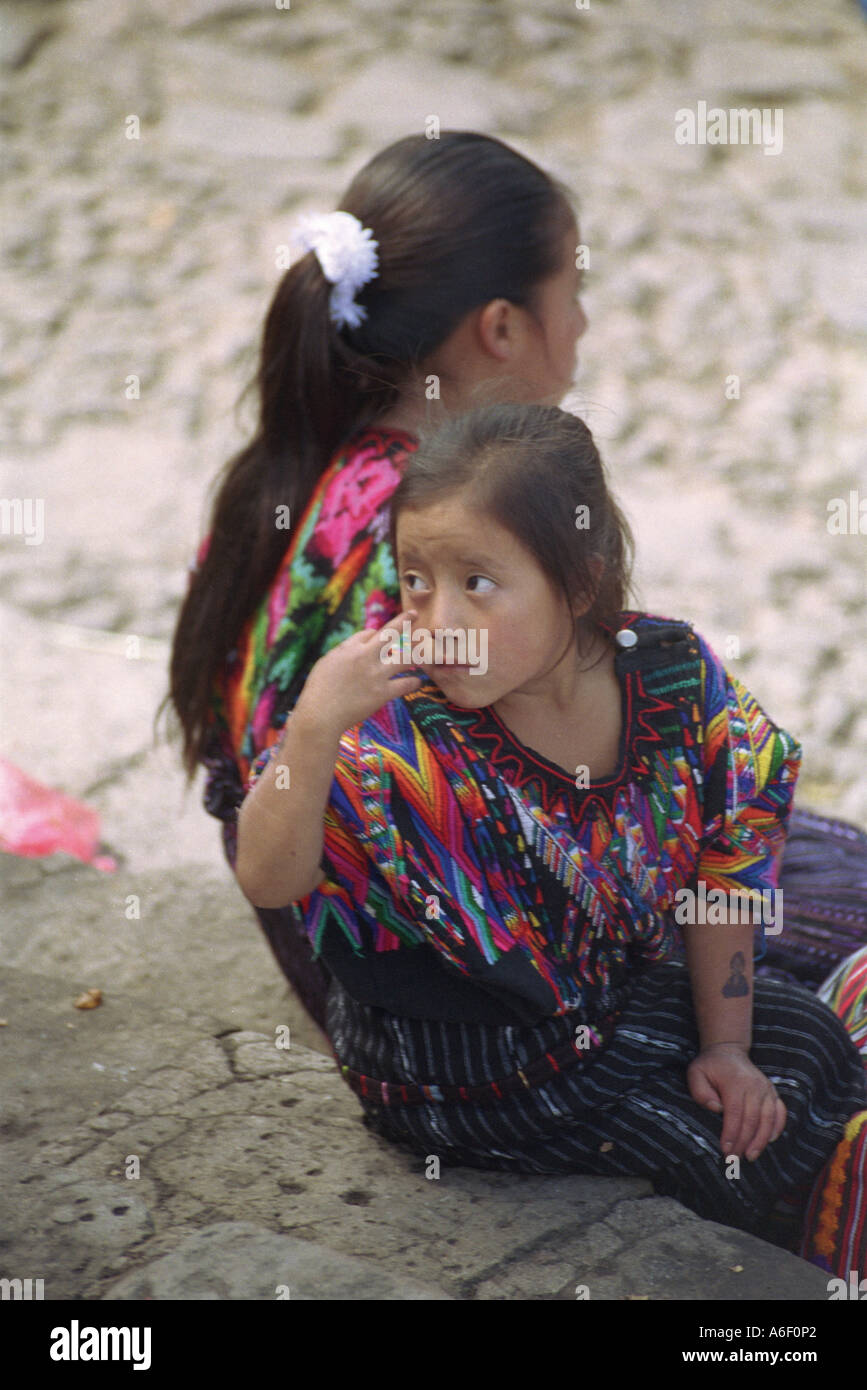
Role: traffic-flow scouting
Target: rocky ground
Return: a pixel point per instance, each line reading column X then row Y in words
column 154, row 258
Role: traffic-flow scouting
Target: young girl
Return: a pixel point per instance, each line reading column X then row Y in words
column 502, row 861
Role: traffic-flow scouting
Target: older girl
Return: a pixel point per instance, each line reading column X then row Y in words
column 449, row 271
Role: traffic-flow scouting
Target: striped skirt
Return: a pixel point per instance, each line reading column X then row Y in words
column 625, row 1109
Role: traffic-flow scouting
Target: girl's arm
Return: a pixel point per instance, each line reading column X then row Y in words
column 720, row 960
column 280, row 826
column 722, row 1077
column 749, row 770
column 281, row 822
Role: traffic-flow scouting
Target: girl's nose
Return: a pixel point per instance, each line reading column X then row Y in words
column 442, row 616
column 439, row 623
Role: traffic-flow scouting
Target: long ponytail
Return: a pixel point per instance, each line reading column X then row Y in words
column 314, row 392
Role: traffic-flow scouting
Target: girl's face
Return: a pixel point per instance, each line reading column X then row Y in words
column 551, row 363
column 463, row 572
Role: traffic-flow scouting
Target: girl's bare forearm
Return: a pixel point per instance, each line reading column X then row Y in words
column 281, row 822
column 720, row 960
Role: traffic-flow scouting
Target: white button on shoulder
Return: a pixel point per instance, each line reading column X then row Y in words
column 626, row 637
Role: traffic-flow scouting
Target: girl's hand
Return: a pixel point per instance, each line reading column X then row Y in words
column 351, row 682
column 722, row 1077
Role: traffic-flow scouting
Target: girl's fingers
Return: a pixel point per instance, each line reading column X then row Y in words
column 765, row 1128
column 753, row 1117
column 397, row 621
column 752, row 1108
column 388, row 627
column 749, row 1118
column 391, row 635
column 732, row 1121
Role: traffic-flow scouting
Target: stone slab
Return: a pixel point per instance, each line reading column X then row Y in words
column 237, row 1260
column 152, row 1153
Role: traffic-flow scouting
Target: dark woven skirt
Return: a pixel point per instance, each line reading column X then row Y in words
column 626, row 1108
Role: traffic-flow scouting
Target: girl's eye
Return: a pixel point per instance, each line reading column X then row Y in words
column 408, row 578
column 484, row 581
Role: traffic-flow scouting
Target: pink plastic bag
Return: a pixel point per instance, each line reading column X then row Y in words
column 36, row 820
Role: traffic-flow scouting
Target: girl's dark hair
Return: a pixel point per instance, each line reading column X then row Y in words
column 459, row 221
column 530, row 468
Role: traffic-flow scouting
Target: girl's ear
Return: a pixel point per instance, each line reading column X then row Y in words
column 584, row 601
column 496, row 329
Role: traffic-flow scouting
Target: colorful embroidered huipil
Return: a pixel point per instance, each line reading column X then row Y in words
column 447, row 841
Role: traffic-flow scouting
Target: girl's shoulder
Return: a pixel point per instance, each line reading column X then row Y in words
column 354, row 489
column 687, row 669
column 654, row 644
column 371, row 445
column 666, row 642
column 681, row 668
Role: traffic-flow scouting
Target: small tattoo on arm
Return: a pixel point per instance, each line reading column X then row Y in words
column 737, row 984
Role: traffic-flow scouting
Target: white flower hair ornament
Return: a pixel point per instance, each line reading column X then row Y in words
column 346, row 251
